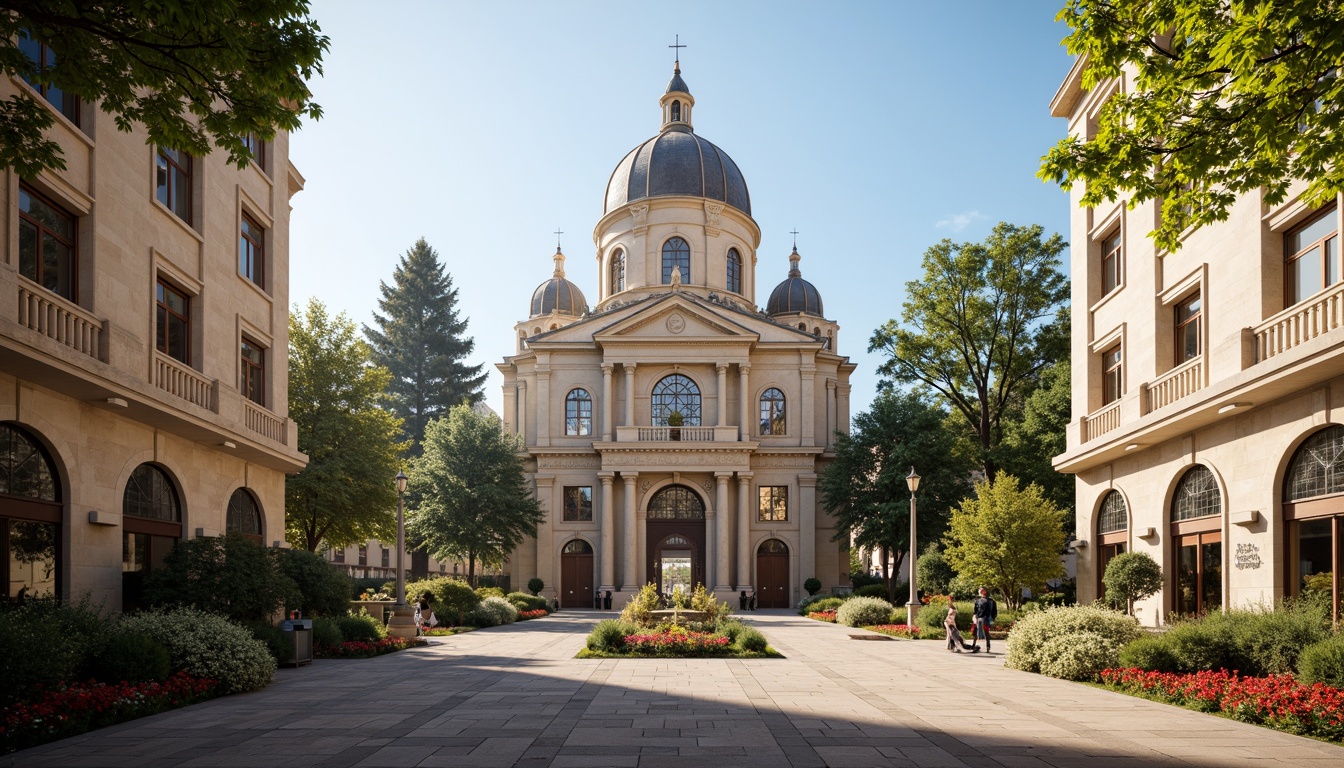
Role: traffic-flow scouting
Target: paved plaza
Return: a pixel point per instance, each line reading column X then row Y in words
column 516, row 695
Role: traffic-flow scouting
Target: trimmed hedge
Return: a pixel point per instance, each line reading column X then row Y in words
column 1030, row 646
column 1253, row 642
column 206, row 645
column 1323, row 662
column 864, row 612
column 494, row 611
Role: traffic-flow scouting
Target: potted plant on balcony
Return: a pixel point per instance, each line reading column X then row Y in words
column 674, row 421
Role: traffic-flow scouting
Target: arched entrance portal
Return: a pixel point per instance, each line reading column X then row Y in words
column 676, row 536
column 772, row 574
column 576, row 575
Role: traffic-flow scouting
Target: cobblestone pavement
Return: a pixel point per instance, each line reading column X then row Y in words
column 517, row 696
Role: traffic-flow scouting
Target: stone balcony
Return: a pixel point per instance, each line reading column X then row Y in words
column 728, row 434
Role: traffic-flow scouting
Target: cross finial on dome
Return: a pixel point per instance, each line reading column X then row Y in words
column 559, row 261
column 676, row 64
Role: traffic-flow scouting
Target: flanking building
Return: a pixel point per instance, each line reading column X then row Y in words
column 144, row 301
column 1208, row 395
column 674, row 432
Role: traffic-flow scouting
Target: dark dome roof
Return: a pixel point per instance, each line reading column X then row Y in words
column 558, row 294
column 795, row 294
column 677, row 162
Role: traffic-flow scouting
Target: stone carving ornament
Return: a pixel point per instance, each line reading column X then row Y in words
column 676, row 323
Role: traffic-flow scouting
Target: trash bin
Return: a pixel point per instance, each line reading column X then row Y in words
column 597, row 601
column 299, row 641
column 606, row 601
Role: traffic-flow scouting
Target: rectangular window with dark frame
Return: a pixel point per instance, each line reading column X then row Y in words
column 257, row 147
column 253, row 372
column 338, row 555
column 47, row 244
column 387, row 557
column 1311, row 252
column 252, row 251
column 173, row 334
column 1110, row 263
column 43, row 59
column 773, row 506
column 1189, row 316
column 363, row 554
column 173, row 182
column 1112, row 381
column 578, row 504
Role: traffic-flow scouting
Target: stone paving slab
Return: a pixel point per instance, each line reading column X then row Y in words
column 516, row 696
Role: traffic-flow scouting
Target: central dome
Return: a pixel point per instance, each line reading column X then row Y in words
column 677, row 162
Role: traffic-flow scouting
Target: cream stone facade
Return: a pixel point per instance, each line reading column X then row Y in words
column 143, row 376
column 1205, row 428
column 674, row 432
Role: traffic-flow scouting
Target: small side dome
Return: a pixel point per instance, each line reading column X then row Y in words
column 558, row 294
column 795, row 295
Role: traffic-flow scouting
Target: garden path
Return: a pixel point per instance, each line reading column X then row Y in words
column 515, row 696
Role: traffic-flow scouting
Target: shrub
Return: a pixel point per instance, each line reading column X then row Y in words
column 898, row 615
column 639, row 611
column 1323, row 662
column 1151, row 652
column 731, row 629
column 609, row 635
column 1253, row 642
column 484, row 592
column 205, row 645
column 1078, row 655
column 812, row 585
column 230, row 575
column 750, row 639
column 494, row 611
column 930, row 618
column 713, row 608
column 273, row 637
column 819, row 604
column 1131, row 576
column 935, row 574
column 864, row 611
column 860, row 580
column 323, row 589
column 327, row 632
column 360, row 627
column 525, row 602
column 535, row 585
column 360, row 586
column 454, row 599
column 44, row 643
column 1032, row 632
column 128, row 657
column 872, row 590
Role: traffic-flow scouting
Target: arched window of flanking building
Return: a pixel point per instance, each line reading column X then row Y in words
column 1112, row 533
column 1313, row 508
column 151, row 524
column 244, row 515
column 30, row 518
column 676, row 394
column 1197, row 542
column 676, row 502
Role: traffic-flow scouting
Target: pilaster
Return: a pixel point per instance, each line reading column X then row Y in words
column 543, row 405
column 744, row 507
column 722, row 394
column 546, row 563
column 744, row 402
column 629, row 369
column 607, row 564
column 606, row 401
column 630, row 580
column 807, row 526
column 723, row 534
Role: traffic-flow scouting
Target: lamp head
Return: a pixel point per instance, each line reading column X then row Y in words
column 912, row 481
column 401, row 481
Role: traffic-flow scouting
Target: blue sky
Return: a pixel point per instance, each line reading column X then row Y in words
column 874, row 129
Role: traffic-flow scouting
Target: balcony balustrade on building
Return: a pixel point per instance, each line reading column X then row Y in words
column 1101, row 421
column 1185, row 379
column 1300, row 323
column 60, row 320
column 673, row 434
column 177, row 379
column 265, row 423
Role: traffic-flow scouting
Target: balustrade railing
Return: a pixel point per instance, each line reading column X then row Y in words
column 177, row 379
column 61, row 320
column 690, row 434
column 1185, row 379
column 1300, row 323
column 263, row 422
column 1102, row 421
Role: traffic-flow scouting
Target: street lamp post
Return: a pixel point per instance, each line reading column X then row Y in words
column 912, row 607
column 402, row 623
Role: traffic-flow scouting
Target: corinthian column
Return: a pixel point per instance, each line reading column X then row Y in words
column 744, row 510
column 723, row 532
column 631, row 534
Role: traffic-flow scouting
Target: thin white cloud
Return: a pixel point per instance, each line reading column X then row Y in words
column 959, row 221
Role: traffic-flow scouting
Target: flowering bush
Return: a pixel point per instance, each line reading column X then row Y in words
column 70, row 709
column 363, row 649
column 676, row 642
column 494, row 611
column 822, row 616
column 1078, row 655
column 1032, row 632
column 1277, row 701
column 864, row 612
column 537, row 614
column 897, row 630
column 208, row 646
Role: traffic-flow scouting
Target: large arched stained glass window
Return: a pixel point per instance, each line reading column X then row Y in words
column 1197, row 495
column 676, row 394
column 578, row 412
column 244, row 515
column 676, row 502
column 618, row 271
column 1114, row 516
column 676, row 253
column 734, row 271
column 1318, row 467
column 151, row 495
column 772, row 412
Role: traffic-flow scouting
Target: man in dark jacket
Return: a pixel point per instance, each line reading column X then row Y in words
column 984, row 614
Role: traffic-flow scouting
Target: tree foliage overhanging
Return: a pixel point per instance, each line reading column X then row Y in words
column 346, row 493
column 192, row 72
column 1226, row 98
column 421, row 340
column 474, row 502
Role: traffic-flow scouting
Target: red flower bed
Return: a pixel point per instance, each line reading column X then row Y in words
column 822, row 616
column 363, row 649
column 537, row 614
column 897, row 630
column 1278, row 701
column 676, row 643
column 76, row 708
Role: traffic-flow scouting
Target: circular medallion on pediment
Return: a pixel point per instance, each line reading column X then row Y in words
column 676, row 323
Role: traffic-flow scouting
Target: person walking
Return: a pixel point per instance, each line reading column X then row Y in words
column 985, row 612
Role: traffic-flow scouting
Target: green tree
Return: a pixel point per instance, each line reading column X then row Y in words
column 864, row 489
column 192, row 72
column 228, row 575
column 322, row 589
column 474, row 501
column 1222, row 99
column 972, row 329
column 420, row 339
column 935, row 574
column 1032, row 439
column 1007, row 538
column 1131, row 576
column 346, row 494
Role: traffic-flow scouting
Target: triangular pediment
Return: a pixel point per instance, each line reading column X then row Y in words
column 673, row 317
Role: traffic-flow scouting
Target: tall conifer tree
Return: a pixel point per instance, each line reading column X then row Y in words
column 421, row 339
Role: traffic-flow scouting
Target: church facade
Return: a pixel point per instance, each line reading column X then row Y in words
column 674, row 432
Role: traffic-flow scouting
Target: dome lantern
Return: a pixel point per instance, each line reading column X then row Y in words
column 677, row 102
